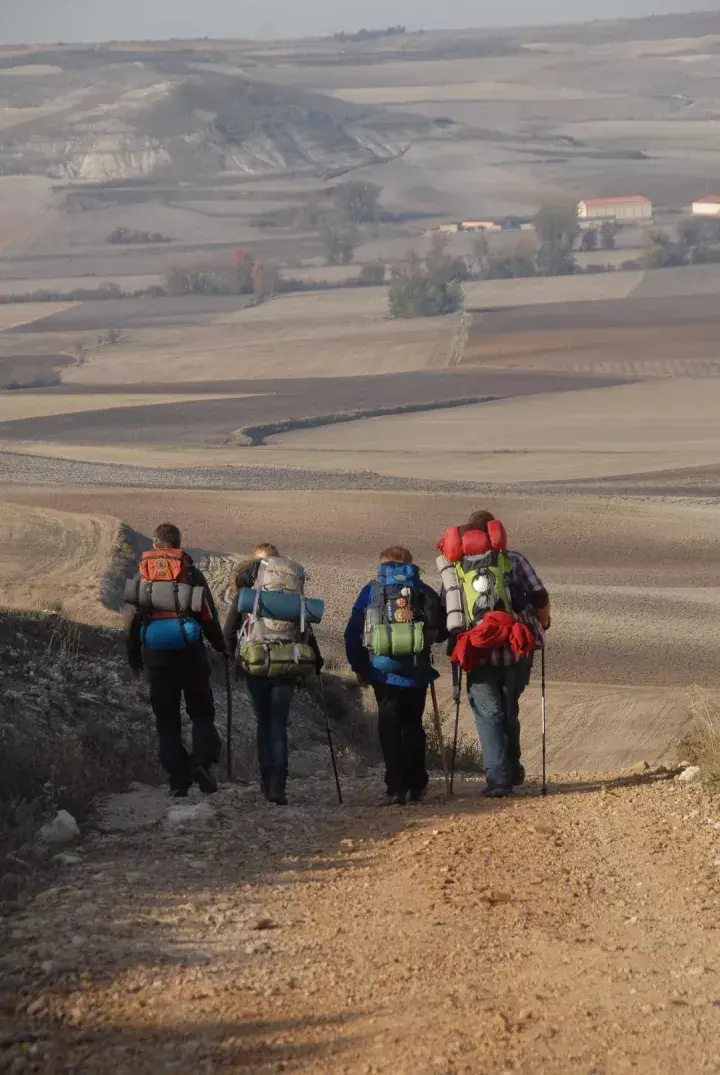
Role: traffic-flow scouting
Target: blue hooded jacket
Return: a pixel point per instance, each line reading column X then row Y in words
column 397, row 672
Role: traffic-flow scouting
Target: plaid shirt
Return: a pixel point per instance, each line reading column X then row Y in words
column 525, row 577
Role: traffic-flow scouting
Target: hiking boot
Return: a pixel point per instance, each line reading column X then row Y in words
column 265, row 786
column 179, row 793
column 204, row 779
column 499, row 792
column 276, row 791
column 398, row 798
column 419, row 795
column 519, row 778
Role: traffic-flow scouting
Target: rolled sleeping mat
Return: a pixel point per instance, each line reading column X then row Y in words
column 280, row 605
column 454, row 600
column 162, row 596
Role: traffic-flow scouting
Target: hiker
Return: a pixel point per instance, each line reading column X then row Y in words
column 173, row 613
column 388, row 639
column 497, row 613
column 274, row 654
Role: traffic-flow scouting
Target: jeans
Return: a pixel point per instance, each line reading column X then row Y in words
column 494, row 693
column 402, row 737
column 271, row 700
column 168, row 685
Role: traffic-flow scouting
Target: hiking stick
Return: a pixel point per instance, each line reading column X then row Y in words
column 330, row 742
column 457, row 690
column 441, row 744
column 543, row 719
column 228, row 689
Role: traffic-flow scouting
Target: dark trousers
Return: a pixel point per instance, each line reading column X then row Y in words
column 402, row 736
column 271, row 700
column 494, row 694
column 169, row 684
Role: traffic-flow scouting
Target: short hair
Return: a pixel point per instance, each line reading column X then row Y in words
column 479, row 520
column 396, row 554
column 167, row 536
column 266, row 549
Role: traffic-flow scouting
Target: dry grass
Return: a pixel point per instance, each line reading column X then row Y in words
column 703, row 744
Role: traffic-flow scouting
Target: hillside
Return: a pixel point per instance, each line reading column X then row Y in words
column 96, row 114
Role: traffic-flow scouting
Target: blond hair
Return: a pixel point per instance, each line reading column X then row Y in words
column 262, row 550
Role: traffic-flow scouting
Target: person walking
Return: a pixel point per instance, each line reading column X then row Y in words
column 172, row 615
column 393, row 625
column 506, row 612
column 270, row 696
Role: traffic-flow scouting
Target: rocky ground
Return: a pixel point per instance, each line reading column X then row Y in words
column 576, row 933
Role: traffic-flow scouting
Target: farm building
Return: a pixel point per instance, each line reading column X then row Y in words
column 633, row 207
column 480, row 225
column 709, row 206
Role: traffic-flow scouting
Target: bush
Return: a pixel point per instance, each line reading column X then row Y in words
column 123, row 235
column 372, row 274
column 417, row 291
column 40, row 379
column 339, row 246
column 702, row 747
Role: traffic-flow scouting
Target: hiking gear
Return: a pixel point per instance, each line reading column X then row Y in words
column 393, row 618
column 476, row 572
column 494, row 695
column 162, row 584
column 496, row 629
column 276, row 791
column 402, row 736
column 499, row 792
column 176, row 634
column 543, row 718
column 439, row 734
column 394, row 800
column 179, row 793
column 413, row 670
column 457, row 691
column 418, row 796
column 330, row 742
column 167, row 600
column 204, row 779
column 278, row 660
column 274, row 648
column 519, row 778
column 169, row 684
column 229, row 707
column 280, row 605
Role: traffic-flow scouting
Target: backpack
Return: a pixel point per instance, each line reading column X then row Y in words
column 170, row 604
column 394, row 625
column 476, row 573
column 277, row 648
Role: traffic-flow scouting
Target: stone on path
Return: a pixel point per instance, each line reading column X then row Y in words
column 690, row 775
column 189, row 816
column 63, row 829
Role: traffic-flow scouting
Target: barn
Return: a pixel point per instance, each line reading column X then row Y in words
column 634, row 207
column 708, row 206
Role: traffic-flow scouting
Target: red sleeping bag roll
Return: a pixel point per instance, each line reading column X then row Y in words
column 460, row 541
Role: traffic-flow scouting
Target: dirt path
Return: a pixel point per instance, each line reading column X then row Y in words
column 572, row 934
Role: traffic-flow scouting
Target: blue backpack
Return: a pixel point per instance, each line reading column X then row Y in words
column 394, row 626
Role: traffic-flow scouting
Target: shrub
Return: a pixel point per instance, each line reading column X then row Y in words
column 372, row 274
column 417, row 291
column 123, row 235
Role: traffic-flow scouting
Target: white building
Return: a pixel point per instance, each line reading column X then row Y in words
column 631, row 208
column 709, row 206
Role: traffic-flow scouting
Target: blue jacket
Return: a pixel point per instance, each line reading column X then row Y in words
column 402, row 672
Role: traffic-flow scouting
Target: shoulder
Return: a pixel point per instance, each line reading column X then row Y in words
column 366, row 595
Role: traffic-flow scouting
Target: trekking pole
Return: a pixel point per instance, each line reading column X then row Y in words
column 441, row 744
column 330, row 742
column 228, row 688
column 457, row 690
column 543, row 719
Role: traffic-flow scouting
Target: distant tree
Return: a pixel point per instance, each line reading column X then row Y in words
column 481, row 255
column 357, row 201
column 339, row 245
column 417, row 290
column 373, row 274
column 660, row 238
column 266, row 280
column 514, row 264
column 665, row 256
column 589, row 240
column 557, row 225
column 555, row 261
column 444, row 267
column 608, row 234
